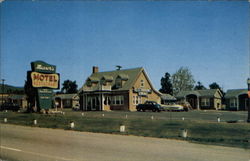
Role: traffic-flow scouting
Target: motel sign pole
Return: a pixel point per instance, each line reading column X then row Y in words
column 248, row 84
column 2, row 90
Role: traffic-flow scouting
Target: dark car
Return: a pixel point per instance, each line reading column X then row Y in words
column 9, row 106
column 149, row 105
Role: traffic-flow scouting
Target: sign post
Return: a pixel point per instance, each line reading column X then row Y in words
column 248, row 84
column 43, row 78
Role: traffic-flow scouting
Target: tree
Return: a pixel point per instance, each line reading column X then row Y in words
column 199, row 86
column 182, row 80
column 214, row 85
column 166, row 85
column 69, row 87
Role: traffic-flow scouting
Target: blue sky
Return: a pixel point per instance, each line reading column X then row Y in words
column 210, row 38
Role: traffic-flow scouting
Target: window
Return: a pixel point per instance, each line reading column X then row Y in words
column 118, row 100
column 137, row 100
column 118, row 82
column 89, row 83
column 107, row 100
column 233, row 102
column 103, row 82
column 205, row 102
column 142, row 83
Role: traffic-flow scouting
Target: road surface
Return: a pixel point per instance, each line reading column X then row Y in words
column 20, row 143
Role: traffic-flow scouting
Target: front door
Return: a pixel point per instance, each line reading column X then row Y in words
column 192, row 99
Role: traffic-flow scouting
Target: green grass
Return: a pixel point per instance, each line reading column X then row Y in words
column 202, row 128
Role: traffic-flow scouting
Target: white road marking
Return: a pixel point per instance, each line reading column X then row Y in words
column 13, row 149
column 34, row 153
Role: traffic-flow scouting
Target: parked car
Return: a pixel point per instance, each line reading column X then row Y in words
column 173, row 107
column 149, row 105
column 9, row 106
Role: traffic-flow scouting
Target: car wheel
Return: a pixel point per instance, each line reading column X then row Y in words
column 153, row 109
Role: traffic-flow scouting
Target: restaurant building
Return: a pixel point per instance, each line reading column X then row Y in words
column 117, row 90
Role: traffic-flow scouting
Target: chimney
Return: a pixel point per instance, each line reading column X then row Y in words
column 95, row 69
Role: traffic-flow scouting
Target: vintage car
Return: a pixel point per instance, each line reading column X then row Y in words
column 149, row 105
column 9, row 106
column 173, row 107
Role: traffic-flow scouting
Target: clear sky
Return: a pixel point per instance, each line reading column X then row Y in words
column 210, row 38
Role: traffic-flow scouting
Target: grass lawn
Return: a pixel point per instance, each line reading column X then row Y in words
column 202, row 126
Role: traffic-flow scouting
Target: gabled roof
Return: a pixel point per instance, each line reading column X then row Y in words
column 17, row 96
column 67, row 96
column 108, row 78
column 93, row 79
column 199, row 93
column 130, row 75
column 168, row 97
column 235, row 92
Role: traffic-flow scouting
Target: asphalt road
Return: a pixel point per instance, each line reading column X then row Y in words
column 21, row 143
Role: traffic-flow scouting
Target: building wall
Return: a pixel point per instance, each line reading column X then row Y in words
column 142, row 83
column 233, row 106
column 125, row 105
column 217, row 103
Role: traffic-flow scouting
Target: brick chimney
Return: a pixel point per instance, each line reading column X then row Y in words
column 95, row 69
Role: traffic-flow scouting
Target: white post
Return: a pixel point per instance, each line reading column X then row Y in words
column 198, row 103
column 72, row 125
column 82, row 114
column 5, row 120
column 35, row 122
column 61, row 104
column 183, row 118
column 218, row 119
column 184, row 133
column 103, row 115
column 122, row 128
column 152, row 117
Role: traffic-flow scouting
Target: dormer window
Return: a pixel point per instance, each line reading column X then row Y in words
column 91, row 80
column 118, row 82
column 89, row 83
column 103, row 82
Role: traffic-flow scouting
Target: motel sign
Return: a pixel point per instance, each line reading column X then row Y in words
column 44, row 79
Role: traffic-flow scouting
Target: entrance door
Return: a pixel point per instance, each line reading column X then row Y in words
column 192, row 99
column 243, row 102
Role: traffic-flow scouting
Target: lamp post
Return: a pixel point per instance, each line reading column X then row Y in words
column 248, row 84
column 2, row 89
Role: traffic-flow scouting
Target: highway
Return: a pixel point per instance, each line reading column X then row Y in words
column 20, row 143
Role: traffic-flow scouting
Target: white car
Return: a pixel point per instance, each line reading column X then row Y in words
column 173, row 107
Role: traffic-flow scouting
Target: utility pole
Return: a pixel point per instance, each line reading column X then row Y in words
column 248, row 84
column 2, row 89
